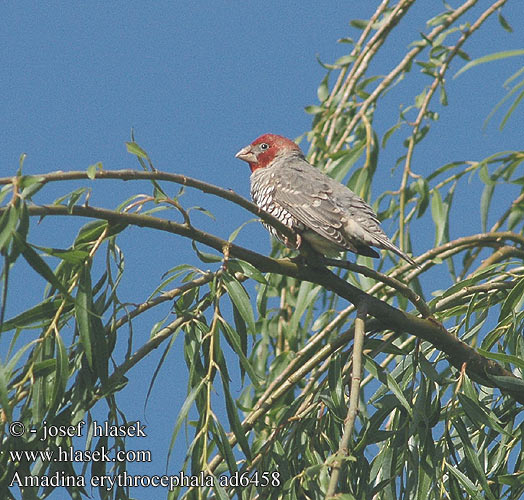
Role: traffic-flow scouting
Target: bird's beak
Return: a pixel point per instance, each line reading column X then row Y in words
column 246, row 154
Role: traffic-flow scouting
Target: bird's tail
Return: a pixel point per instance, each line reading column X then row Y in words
column 387, row 245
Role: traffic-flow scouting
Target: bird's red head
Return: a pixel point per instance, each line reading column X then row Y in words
column 262, row 151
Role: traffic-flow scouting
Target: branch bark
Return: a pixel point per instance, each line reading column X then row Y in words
column 479, row 368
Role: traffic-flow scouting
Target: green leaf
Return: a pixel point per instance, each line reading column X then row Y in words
column 336, row 388
column 306, row 296
column 484, row 174
column 478, row 415
column 345, row 60
column 234, row 234
column 202, row 210
column 476, row 278
column 444, row 169
column 8, row 222
column 90, row 232
column 61, row 376
column 240, row 298
column 91, row 170
column 508, row 383
column 514, row 301
column 223, row 445
column 443, row 95
column 156, row 328
column 71, row 198
column 426, row 469
column 83, row 305
column 485, row 201
column 4, row 392
column 72, row 256
column 37, row 314
column 135, row 149
column 234, row 341
column 503, row 358
column 504, row 23
column 514, row 76
column 21, row 161
column 514, row 480
column 389, row 133
column 102, row 348
column 241, row 266
column 383, row 376
column 4, row 191
column 38, row 264
column 313, row 110
column 359, row 23
column 386, row 347
column 343, row 162
column 422, row 187
column 323, row 89
column 508, row 96
column 436, row 20
column 234, row 421
column 511, row 109
column 11, row 366
column 438, row 211
column 491, row 57
column 220, row 492
column 472, row 457
column 472, row 490
column 515, row 217
column 30, row 185
column 241, row 332
column 44, row 368
column 182, row 414
column 206, row 256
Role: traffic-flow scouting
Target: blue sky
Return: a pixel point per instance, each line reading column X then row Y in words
column 196, row 82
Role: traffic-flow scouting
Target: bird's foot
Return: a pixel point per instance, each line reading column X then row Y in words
column 295, row 245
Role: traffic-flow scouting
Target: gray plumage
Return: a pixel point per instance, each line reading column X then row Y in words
column 327, row 214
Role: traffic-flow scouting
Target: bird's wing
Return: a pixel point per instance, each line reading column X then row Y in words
column 330, row 209
column 321, row 204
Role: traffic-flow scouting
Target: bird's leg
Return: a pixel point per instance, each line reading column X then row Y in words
column 295, row 245
column 308, row 256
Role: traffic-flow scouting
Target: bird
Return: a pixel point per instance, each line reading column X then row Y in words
column 325, row 213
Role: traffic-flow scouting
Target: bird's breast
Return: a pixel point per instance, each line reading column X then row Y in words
column 262, row 193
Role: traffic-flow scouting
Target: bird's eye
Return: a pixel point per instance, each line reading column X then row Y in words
column 264, row 146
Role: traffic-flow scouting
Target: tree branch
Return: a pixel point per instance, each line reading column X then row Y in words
column 349, row 424
column 479, row 368
column 129, row 174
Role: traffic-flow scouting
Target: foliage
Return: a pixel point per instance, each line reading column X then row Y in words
column 516, row 89
column 442, row 390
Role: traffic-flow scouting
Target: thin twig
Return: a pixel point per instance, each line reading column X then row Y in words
column 354, row 395
column 495, row 227
column 401, row 66
column 359, row 50
column 128, row 174
column 456, row 298
column 395, row 319
column 164, row 297
column 362, row 63
column 458, row 352
column 415, row 299
column 439, row 78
